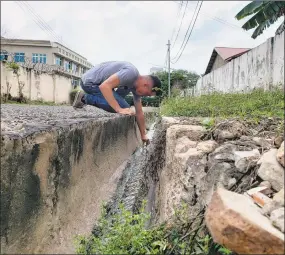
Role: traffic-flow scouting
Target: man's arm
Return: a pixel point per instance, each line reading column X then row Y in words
column 140, row 119
column 106, row 89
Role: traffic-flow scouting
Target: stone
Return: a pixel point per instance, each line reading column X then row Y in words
column 183, row 144
column 265, row 184
column 279, row 197
column 246, row 159
column 277, row 218
column 278, row 141
column 225, row 157
column 262, row 142
column 207, row 146
column 236, row 222
column 271, row 206
column 229, row 130
column 280, row 155
column 270, row 170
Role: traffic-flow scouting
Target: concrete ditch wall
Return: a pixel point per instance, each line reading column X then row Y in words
column 54, row 182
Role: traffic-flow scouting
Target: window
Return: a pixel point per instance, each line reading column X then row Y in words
column 74, row 67
column 66, row 65
column 69, row 65
column 58, row 61
column 19, row 57
column 59, row 50
column 4, row 55
column 39, row 58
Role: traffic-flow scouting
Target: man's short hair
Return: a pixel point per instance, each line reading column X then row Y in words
column 156, row 85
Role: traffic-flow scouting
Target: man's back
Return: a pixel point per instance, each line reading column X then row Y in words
column 126, row 71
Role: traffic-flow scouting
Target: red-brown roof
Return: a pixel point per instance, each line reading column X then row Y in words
column 226, row 54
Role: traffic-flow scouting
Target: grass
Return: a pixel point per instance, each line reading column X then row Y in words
column 255, row 104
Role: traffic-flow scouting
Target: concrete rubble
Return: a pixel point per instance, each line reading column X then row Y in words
column 196, row 167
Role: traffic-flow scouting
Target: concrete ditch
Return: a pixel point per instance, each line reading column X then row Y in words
column 55, row 174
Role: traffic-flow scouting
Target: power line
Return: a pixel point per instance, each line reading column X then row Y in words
column 180, row 24
column 38, row 20
column 221, row 21
column 42, row 21
column 187, row 31
column 190, row 33
column 178, row 12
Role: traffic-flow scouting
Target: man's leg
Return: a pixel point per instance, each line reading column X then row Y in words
column 94, row 97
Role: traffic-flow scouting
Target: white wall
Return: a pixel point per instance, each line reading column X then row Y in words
column 38, row 86
column 261, row 67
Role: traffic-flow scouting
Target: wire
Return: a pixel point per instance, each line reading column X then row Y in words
column 190, row 33
column 180, row 24
column 178, row 12
column 221, row 21
column 187, row 30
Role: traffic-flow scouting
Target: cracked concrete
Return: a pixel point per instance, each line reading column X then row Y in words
column 57, row 168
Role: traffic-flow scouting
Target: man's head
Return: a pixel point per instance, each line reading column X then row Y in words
column 148, row 85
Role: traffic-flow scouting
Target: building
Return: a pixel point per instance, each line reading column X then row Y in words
column 46, row 52
column 222, row 55
column 154, row 70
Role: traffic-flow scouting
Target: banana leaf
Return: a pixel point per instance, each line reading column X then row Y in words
column 251, row 8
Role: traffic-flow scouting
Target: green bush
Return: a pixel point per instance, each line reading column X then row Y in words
column 125, row 233
column 251, row 105
column 146, row 101
column 72, row 94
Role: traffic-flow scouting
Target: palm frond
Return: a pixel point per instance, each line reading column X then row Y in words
column 270, row 11
column 251, row 8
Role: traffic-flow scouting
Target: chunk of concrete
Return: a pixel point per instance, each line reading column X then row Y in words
column 270, row 207
column 183, row 144
column 265, row 184
column 270, row 170
column 245, row 159
column 280, row 155
column 236, row 222
column 277, row 218
column 279, row 197
column 262, row 142
column 207, row 146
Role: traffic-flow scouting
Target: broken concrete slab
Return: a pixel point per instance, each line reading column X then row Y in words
column 277, row 218
column 270, row 207
column 236, row 222
column 207, row 146
column 279, row 197
column 270, row 169
column 280, row 155
column 246, row 159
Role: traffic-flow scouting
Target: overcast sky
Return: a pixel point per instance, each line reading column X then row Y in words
column 134, row 31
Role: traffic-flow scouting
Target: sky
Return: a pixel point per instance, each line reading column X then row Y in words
column 134, row 31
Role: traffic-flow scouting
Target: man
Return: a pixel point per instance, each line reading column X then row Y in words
column 99, row 84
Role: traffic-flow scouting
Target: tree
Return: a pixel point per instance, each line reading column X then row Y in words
column 265, row 14
column 180, row 79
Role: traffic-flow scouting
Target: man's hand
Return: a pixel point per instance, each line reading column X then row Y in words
column 125, row 111
column 145, row 140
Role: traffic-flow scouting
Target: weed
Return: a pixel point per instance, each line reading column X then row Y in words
column 254, row 105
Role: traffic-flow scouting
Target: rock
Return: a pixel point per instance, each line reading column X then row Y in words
column 225, row 157
column 246, row 159
column 279, row 197
column 183, row 144
column 280, row 155
column 223, row 135
column 207, row 146
column 262, row 142
column 277, row 218
column 278, row 141
column 236, row 222
column 271, row 206
column 265, row 184
column 270, row 170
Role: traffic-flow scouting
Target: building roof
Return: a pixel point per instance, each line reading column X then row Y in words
column 226, row 54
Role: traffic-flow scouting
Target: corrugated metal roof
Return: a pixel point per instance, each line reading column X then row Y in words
column 226, row 54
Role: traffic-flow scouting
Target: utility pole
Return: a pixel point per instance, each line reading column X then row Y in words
column 168, row 68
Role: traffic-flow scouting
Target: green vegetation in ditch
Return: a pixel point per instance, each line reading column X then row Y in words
column 255, row 104
column 125, row 233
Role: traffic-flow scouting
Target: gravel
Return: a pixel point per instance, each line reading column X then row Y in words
column 24, row 119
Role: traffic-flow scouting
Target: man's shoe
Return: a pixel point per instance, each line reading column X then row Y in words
column 77, row 103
